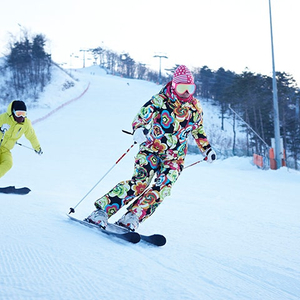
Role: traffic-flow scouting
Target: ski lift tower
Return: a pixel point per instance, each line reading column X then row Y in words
column 275, row 102
column 83, row 59
column 160, row 57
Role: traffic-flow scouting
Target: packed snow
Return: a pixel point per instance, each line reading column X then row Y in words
column 233, row 230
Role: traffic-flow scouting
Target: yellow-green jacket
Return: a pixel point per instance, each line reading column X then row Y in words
column 16, row 130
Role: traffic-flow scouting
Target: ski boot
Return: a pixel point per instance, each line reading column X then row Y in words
column 130, row 221
column 98, row 217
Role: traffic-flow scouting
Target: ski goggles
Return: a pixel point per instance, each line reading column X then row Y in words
column 181, row 88
column 20, row 113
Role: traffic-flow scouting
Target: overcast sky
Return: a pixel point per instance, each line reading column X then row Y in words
column 233, row 34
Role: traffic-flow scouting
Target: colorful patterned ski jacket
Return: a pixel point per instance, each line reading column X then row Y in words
column 169, row 121
column 16, row 130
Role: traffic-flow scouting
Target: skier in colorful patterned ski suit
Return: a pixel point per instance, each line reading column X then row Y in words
column 161, row 128
column 13, row 124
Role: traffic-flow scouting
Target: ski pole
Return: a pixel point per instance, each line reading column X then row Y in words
column 72, row 209
column 25, row 146
column 195, row 163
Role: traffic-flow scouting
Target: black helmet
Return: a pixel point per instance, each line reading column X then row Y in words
column 18, row 105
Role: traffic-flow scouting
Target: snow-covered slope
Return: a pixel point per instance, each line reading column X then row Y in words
column 233, row 230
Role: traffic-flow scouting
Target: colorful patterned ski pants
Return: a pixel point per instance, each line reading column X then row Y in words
column 147, row 164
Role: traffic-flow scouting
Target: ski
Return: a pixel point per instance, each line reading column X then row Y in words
column 14, row 190
column 125, row 234
column 132, row 237
column 154, row 239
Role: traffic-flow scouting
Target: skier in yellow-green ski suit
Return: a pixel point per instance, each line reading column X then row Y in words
column 13, row 124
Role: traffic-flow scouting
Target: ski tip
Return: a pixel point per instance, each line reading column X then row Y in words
column 160, row 240
column 26, row 190
column 155, row 239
